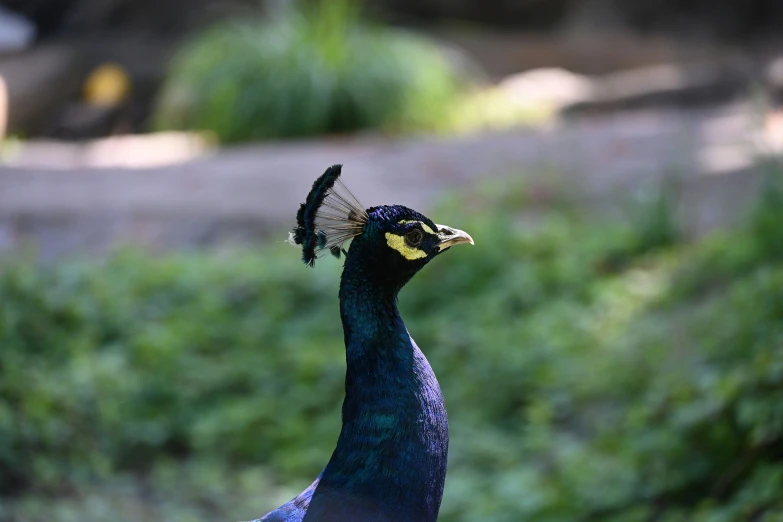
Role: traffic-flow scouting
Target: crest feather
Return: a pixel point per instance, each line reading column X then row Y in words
column 329, row 216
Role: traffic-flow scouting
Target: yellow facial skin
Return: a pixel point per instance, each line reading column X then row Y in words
column 424, row 226
column 447, row 237
column 398, row 243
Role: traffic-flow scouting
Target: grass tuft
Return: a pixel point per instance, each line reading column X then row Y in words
column 311, row 69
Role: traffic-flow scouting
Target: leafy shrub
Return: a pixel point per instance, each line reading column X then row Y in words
column 308, row 71
column 578, row 388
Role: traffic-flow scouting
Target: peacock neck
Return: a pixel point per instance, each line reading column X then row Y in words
column 371, row 320
column 390, row 460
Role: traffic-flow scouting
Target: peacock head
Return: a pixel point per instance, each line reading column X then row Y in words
column 392, row 240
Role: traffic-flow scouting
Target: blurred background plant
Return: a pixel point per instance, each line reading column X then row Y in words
column 311, row 69
column 622, row 375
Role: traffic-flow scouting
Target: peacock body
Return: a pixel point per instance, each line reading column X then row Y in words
column 390, row 461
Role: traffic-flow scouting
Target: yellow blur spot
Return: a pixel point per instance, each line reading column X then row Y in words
column 398, row 243
column 425, row 226
column 107, row 85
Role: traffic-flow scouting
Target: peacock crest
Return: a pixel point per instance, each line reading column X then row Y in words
column 330, row 216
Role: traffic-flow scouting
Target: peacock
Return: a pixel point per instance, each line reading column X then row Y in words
column 390, row 460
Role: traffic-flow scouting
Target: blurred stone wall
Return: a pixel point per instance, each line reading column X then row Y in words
column 159, row 17
column 724, row 19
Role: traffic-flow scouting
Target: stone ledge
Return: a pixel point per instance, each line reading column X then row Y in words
column 241, row 194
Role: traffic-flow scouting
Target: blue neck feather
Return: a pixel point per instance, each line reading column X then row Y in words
column 390, row 460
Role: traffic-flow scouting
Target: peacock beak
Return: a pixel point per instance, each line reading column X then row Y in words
column 452, row 236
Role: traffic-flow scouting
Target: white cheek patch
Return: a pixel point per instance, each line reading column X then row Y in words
column 398, row 243
column 424, row 226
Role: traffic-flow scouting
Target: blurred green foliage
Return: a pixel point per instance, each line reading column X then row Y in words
column 592, row 373
column 313, row 69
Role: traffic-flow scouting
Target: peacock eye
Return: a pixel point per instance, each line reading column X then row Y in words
column 413, row 238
